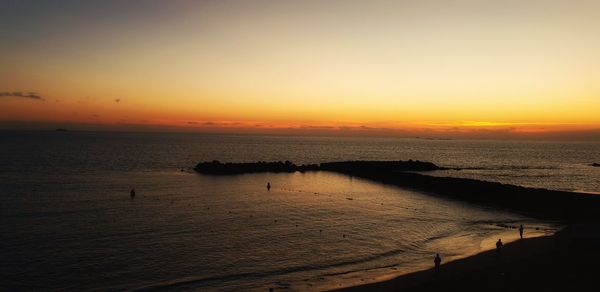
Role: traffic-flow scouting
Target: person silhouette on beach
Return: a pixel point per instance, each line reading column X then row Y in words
column 521, row 231
column 268, row 186
column 499, row 246
column 132, row 193
column 437, row 261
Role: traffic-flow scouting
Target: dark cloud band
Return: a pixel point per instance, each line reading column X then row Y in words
column 31, row 95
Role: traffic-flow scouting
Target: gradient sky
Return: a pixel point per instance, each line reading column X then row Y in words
column 500, row 68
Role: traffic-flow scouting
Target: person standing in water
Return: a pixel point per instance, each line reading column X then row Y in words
column 499, row 246
column 132, row 193
column 437, row 261
column 268, row 186
column 521, row 231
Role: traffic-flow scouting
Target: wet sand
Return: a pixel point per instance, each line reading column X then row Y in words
column 566, row 261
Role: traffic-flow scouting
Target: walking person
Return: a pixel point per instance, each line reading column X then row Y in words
column 437, row 261
column 521, row 231
column 499, row 246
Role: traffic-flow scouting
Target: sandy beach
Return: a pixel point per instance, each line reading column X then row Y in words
column 566, row 261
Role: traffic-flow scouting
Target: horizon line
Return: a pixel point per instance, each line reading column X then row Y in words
column 501, row 134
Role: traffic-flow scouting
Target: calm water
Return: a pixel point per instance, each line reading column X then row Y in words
column 68, row 222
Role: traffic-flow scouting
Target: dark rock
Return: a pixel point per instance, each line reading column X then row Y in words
column 218, row 168
column 541, row 203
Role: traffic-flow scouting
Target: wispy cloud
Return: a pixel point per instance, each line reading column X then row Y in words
column 31, row 95
column 214, row 124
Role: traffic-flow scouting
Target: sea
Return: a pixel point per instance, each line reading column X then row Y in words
column 68, row 222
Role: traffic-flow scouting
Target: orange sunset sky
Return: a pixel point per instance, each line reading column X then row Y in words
column 480, row 69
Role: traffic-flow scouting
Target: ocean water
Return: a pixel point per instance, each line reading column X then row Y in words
column 68, row 222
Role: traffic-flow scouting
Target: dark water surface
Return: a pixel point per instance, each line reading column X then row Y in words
column 68, row 221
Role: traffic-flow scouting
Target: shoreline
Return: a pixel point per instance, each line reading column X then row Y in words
column 563, row 261
column 566, row 260
column 487, row 243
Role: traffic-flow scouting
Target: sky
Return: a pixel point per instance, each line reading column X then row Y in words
column 480, row 69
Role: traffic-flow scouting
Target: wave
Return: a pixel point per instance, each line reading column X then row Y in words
column 176, row 283
column 507, row 167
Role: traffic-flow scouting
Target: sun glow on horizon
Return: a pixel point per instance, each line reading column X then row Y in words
column 402, row 67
